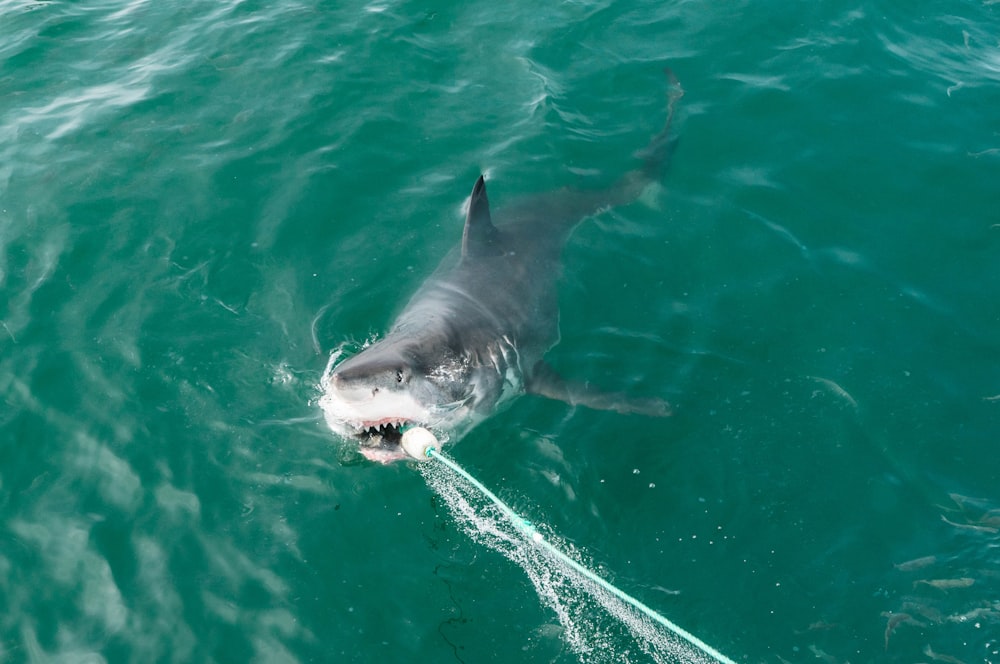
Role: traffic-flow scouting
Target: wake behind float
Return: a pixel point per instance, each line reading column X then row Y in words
column 421, row 445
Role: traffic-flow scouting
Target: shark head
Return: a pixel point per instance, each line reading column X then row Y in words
column 392, row 384
column 423, row 373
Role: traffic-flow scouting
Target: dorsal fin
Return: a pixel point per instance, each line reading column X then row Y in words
column 480, row 237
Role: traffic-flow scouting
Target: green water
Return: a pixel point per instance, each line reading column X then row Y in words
column 200, row 201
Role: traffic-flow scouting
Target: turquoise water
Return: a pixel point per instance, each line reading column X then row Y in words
column 200, row 201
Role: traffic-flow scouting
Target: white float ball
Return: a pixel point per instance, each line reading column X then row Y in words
column 417, row 441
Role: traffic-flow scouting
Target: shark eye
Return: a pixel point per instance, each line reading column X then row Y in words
column 399, row 375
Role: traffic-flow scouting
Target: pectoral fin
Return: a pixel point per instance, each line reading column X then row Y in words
column 544, row 381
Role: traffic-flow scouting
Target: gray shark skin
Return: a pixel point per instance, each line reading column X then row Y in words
column 474, row 334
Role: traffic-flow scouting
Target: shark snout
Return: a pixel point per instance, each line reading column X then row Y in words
column 347, row 384
column 338, row 381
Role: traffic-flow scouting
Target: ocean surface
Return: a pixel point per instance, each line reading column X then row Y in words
column 200, row 202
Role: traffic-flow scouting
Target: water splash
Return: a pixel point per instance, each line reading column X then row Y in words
column 597, row 626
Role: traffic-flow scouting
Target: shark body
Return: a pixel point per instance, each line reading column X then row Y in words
column 474, row 335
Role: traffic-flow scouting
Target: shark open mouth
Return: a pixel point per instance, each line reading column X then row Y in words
column 389, row 433
column 381, row 441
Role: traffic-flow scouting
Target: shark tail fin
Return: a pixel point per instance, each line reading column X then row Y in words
column 657, row 154
column 654, row 159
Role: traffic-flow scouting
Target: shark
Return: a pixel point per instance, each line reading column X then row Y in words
column 474, row 334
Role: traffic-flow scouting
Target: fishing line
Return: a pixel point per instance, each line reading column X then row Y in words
column 420, row 444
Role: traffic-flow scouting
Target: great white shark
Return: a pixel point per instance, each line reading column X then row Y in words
column 474, row 335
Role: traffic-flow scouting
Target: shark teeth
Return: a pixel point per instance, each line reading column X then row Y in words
column 381, row 433
column 379, row 425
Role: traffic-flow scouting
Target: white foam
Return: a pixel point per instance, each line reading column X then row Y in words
column 581, row 607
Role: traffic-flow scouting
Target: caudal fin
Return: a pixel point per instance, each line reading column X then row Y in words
column 657, row 155
column 563, row 209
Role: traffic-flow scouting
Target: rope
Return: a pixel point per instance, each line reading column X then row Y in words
column 532, row 533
